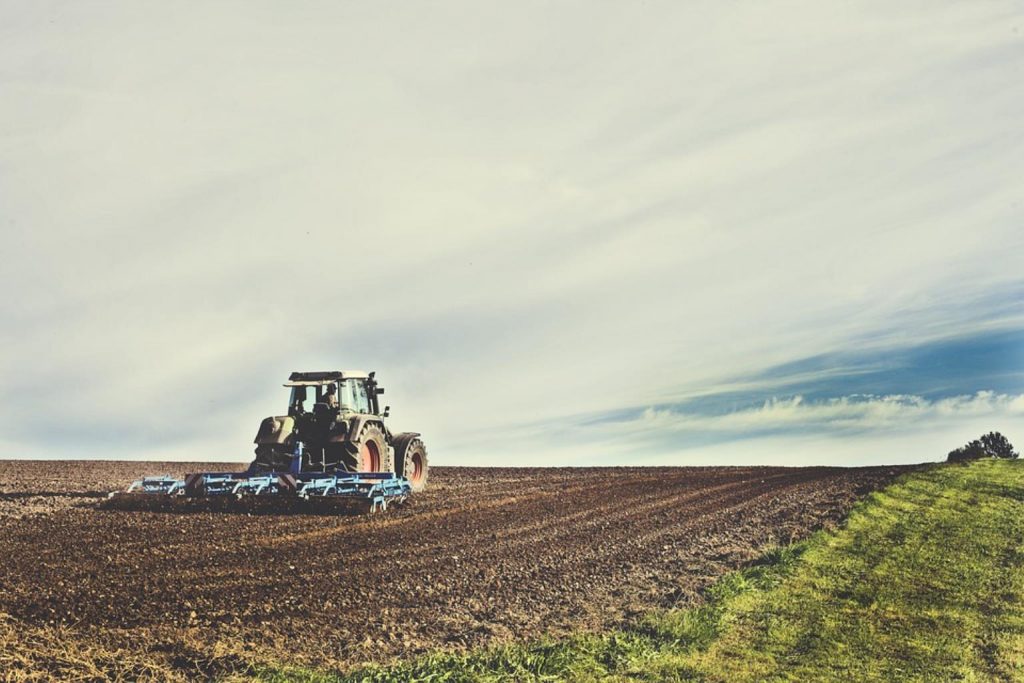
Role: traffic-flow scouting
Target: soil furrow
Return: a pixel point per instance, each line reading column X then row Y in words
column 483, row 556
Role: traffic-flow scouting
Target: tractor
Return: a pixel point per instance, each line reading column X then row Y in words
column 331, row 453
column 337, row 418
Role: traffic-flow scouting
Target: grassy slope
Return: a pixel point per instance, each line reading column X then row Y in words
column 925, row 582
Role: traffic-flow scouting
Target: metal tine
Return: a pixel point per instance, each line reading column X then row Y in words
column 378, row 489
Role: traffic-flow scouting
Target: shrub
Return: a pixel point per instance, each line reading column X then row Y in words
column 991, row 445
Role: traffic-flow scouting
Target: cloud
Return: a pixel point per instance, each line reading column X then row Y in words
column 843, row 430
column 515, row 216
column 844, row 413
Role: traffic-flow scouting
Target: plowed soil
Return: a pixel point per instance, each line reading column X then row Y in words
column 483, row 556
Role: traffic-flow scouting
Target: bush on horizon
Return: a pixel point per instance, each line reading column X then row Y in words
column 991, row 445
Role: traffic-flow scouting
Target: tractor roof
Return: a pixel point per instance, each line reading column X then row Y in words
column 299, row 379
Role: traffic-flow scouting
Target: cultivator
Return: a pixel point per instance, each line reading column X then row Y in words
column 338, row 457
column 278, row 492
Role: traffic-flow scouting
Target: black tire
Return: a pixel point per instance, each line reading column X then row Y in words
column 370, row 452
column 411, row 460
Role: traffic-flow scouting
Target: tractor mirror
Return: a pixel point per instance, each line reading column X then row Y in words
column 379, row 391
column 387, row 411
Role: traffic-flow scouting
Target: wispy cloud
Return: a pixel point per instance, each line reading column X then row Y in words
column 516, row 215
column 840, row 414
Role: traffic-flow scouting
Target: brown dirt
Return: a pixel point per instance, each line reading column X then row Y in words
column 483, row 556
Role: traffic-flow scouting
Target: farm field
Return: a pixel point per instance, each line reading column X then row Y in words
column 924, row 581
column 484, row 556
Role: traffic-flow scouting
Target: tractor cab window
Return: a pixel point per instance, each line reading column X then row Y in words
column 303, row 399
column 352, row 396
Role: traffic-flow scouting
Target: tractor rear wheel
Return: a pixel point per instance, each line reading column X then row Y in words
column 411, row 460
column 370, row 452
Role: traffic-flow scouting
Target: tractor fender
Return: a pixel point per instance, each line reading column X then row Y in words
column 405, row 436
column 275, row 430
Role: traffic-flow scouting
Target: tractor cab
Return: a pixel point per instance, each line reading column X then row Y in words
column 354, row 392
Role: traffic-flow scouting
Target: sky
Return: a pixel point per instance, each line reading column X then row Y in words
column 562, row 233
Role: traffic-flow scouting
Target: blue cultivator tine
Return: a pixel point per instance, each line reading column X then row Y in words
column 378, row 489
column 259, row 485
column 267, row 492
column 156, row 485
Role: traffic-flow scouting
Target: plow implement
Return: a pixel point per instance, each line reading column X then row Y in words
column 265, row 493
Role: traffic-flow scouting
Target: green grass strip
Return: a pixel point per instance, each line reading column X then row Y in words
column 925, row 582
